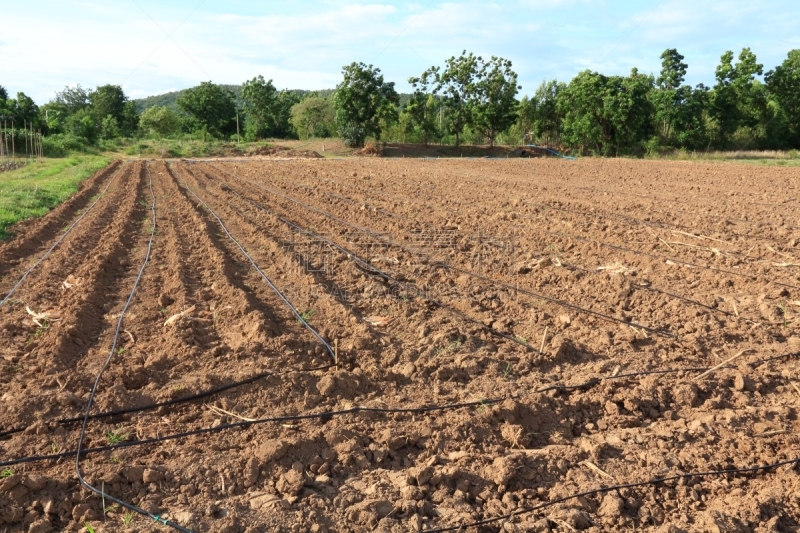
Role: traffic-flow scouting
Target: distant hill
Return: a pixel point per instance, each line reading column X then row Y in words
column 171, row 99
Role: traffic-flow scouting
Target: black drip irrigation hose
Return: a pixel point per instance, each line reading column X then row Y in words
column 370, row 269
column 328, row 415
column 176, row 401
column 60, row 239
column 451, row 267
column 90, row 402
column 602, row 490
column 586, row 270
column 265, row 278
column 676, row 261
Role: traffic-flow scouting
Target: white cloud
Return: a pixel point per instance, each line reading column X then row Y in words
column 304, row 45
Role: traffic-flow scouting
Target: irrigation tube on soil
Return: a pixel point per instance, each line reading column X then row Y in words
column 266, row 279
column 327, row 415
column 55, row 244
column 90, row 402
column 555, row 301
column 369, row 268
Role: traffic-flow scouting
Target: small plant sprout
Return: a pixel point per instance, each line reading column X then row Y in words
column 306, row 316
column 507, row 371
column 53, row 448
column 163, row 310
column 121, row 350
column 6, row 473
column 116, row 437
column 128, row 518
column 782, row 309
column 88, row 526
column 521, row 340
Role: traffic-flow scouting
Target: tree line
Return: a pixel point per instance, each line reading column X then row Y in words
column 466, row 99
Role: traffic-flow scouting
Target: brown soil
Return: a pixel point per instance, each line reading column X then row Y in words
column 614, row 268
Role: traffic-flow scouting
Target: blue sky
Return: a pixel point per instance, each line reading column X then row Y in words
column 46, row 44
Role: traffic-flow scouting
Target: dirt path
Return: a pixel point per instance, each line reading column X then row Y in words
column 505, row 334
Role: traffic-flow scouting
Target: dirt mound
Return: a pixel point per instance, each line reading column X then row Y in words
column 285, row 152
column 370, row 150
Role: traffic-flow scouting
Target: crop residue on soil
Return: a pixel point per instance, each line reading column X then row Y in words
column 605, row 322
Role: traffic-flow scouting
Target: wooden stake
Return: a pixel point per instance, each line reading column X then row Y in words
column 238, row 140
column 544, row 338
column 336, row 352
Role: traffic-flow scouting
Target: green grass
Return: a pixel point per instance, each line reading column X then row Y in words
column 116, row 437
column 35, row 189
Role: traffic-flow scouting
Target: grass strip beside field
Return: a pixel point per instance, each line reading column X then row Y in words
column 35, row 189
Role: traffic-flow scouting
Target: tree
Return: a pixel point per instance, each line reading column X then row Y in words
column 260, row 100
column 542, row 112
column 283, row 128
column 739, row 99
column 23, row 110
column 783, row 84
column 314, row 117
column 494, row 105
column 212, row 107
column 606, row 115
column 670, row 96
column 110, row 101
column 419, row 113
column 159, row 120
column 3, row 94
column 361, row 100
column 456, row 83
column 73, row 99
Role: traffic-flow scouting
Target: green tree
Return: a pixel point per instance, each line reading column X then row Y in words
column 541, row 115
column 83, row 125
column 495, row 105
column 23, row 110
column 159, row 120
column 283, row 128
column 261, row 101
column 739, row 100
column 419, row 113
column 456, row 83
column 361, row 101
column 212, row 107
column 314, row 117
column 3, row 94
column 783, row 83
column 606, row 115
column 72, row 99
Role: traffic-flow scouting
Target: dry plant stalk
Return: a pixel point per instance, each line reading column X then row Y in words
column 221, row 411
column 48, row 316
column 712, row 370
column 71, row 282
column 379, row 321
column 596, row 469
column 701, row 237
column 544, row 338
column 174, row 318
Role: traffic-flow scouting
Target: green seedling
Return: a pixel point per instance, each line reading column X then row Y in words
column 89, row 528
column 507, row 371
column 6, row 473
column 306, row 316
column 111, row 508
column 782, row 309
column 121, row 350
column 128, row 518
column 115, row 460
column 521, row 340
column 116, row 437
column 163, row 310
column 53, row 448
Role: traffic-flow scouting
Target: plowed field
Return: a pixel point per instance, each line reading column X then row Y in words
column 405, row 345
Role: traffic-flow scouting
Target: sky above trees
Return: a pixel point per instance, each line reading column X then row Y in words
column 150, row 47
